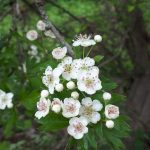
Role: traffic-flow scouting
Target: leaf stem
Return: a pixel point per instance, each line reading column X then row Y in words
column 83, row 51
column 89, row 51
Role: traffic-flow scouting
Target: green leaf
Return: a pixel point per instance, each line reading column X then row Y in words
column 98, row 58
column 4, row 146
column 53, row 122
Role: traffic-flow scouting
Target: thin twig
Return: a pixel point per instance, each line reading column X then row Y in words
column 49, row 25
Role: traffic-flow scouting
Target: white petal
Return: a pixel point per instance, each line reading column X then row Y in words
column 66, row 76
column 76, row 43
column 10, row 95
column 85, row 130
column 48, row 70
column 84, row 120
column 81, row 85
column 57, row 72
column 78, row 136
column 51, row 89
column 87, row 101
column 95, row 117
column 38, row 115
column 67, row 60
column 89, row 61
column 71, row 130
column 73, row 120
column 90, row 91
column 97, row 106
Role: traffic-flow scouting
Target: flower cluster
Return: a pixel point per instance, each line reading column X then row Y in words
column 41, row 26
column 81, row 79
column 6, row 100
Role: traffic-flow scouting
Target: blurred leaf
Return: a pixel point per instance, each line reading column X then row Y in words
column 98, row 58
column 53, row 122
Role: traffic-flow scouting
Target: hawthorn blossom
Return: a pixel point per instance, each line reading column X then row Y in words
column 89, row 84
column 41, row 25
column 56, row 105
column 77, row 127
column 111, row 111
column 89, row 109
column 32, row 35
column 43, row 107
column 59, row 87
column 59, row 53
column 83, row 40
column 106, row 96
column 6, row 100
column 44, row 93
column 70, row 85
column 82, row 66
column 109, row 124
column 75, row 95
column 49, row 33
column 98, row 38
column 66, row 67
column 70, row 107
column 51, row 78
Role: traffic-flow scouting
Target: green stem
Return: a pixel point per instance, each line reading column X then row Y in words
column 89, row 51
column 83, row 51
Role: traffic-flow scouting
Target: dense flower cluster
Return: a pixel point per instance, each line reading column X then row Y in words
column 6, row 100
column 80, row 77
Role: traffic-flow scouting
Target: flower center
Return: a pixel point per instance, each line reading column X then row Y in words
column 50, row 78
column 89, row 82
column 84, row 67
column 112, row 110
column 70, row 108
column 41, row 106
column 78, row 127
column 88, row 111
column 67, row 68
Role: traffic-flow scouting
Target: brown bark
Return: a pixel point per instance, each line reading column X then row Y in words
column 139, row 92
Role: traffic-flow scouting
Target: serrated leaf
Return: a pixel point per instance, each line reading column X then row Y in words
column 98, row 58
column 53, row 122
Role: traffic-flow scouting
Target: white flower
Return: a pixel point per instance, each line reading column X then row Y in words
column 109, row 124
column 59, row 87
column 70, row 85
column 33, row 52
column 75, row 95
column 56, row 105
column 43, row 107
column 32, row 35
column 51, row 78
column 106, row 96
column 44, row 93
column 83, row 40
column 59, row 53
column 77, row 127
column 98, row 38
column 89, row 109
column 49, row 33
column 111, row 111
column 82, row 66
column 70, row 107
column 41, row 25
column 89, row 84
column 66, row 67
column 6, row 100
